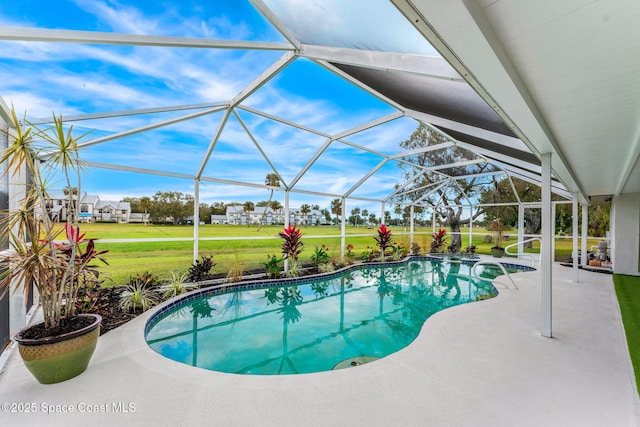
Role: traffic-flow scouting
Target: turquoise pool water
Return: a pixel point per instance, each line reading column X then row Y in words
column 339, row 321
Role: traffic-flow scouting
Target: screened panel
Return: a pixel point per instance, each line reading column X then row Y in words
column 342, row 24
column 321, row 100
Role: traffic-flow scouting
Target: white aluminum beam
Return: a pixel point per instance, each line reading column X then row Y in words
column 124, row 113
column 213, row 143
column 123, row 168
column 632, row 158
column 280, row 64
column 30, row 34
column 283, row 121
column 258, row 146
column 148, row 127
column 425, row 66
column 310, row 163
column 362, row 180
column 276, row 22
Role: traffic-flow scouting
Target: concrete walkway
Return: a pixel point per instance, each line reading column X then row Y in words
column 478, row 364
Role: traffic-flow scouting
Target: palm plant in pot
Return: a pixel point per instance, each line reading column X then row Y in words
column 497, row 229
column 60, row 347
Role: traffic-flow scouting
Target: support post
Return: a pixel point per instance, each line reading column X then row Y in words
column 520, row 228
column 574, row 237
column 470, row 225
column 553, row 231
column 546, row 247
column 286, row 223
column 584, row 241
column 196, row 219
column 381, row 213
column 343, row 227
column 411, row 226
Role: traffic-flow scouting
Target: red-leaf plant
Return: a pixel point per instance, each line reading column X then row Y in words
column 292, row 244
column 84, row 272
column 438, row 240
column 384, row 238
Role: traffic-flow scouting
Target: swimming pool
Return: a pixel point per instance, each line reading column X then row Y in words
column 308, row 325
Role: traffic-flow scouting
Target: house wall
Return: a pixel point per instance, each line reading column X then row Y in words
column 625, row 228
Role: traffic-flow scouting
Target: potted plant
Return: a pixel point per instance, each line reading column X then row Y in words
column 497, row 230
column 60, row 347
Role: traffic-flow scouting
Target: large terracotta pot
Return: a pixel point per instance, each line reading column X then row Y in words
column 58, row 358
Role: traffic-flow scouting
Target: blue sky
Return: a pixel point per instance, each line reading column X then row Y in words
column 72, row 79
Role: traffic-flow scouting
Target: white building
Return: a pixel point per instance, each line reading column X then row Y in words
column 237, row 215
column 92, row 209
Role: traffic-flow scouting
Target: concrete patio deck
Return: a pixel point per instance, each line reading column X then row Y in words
column 483, row 363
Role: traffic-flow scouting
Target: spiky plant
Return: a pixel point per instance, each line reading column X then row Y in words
column 56, row 269
column 383, row 240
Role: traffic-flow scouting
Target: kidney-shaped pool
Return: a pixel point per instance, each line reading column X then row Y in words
column 313, row 324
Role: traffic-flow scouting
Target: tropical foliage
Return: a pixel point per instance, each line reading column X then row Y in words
column 292, row 244
column 438, row 240
column 383, row 240
column 57, row 269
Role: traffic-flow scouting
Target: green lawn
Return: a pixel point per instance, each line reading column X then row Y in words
column 628, row 292
column 126, row 259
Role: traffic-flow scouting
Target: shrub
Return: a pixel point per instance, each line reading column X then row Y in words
column 438, row 240
column 237, row 270
column 138, row 296
column 320, row 256
column 326, row 267
column 294, row 269
column 272, row 266
column 200, row 269
column 174, row 284
column 349, row 253
column 415, row 249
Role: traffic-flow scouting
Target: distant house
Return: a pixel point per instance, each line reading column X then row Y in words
column 135, row 217
column 92, row 209
column 219, row 219
column 237, row 215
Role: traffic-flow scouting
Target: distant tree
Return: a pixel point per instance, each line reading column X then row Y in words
column 248, row 207
column 336, row 208
column 145, row 205
column 218, row 208
column 315, row 207
column 273, row 180
column 398, row 211
column 134, row 203
column 598, row 223
column 365, row 215
column 355, row 212
column 373, row 219
column 305, row 210
column 451, row 198
column 387, row 217
column 205, row 213
column 70, row 190
column 171, row 204
column 327, row 214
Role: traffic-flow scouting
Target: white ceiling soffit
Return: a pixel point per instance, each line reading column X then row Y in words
column 565, row 76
